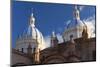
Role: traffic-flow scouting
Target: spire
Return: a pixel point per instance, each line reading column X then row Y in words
column 32, row 19
column 76, row 13
column 53, row 34
column 54, row 40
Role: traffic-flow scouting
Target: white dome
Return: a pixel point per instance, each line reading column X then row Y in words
column 76, row 22
column 75, row 27
column 31, row 36
column 33, row 33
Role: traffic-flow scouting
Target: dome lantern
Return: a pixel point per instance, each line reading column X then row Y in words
column 76, row 13
column 32, row 20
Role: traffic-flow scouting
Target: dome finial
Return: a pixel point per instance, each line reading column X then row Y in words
column 32, row 19
column 76, row 13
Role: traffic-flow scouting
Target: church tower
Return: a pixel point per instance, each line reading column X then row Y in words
column 54, row 40
column 37, row 55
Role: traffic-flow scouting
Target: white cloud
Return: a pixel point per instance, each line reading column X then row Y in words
column 47, row 41
column 68, row 22
column 59, row 36
column 90, row 21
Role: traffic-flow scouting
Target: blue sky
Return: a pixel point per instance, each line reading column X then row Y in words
column 49, row 17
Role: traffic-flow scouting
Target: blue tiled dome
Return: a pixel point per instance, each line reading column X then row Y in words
column 75, row 23
column 32, row 32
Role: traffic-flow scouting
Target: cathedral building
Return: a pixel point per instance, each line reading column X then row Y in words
column 78, row 45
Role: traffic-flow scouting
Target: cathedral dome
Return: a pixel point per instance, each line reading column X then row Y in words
column 75, row 27
column 32, row 36
column 32, row 32
column 76, row 22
